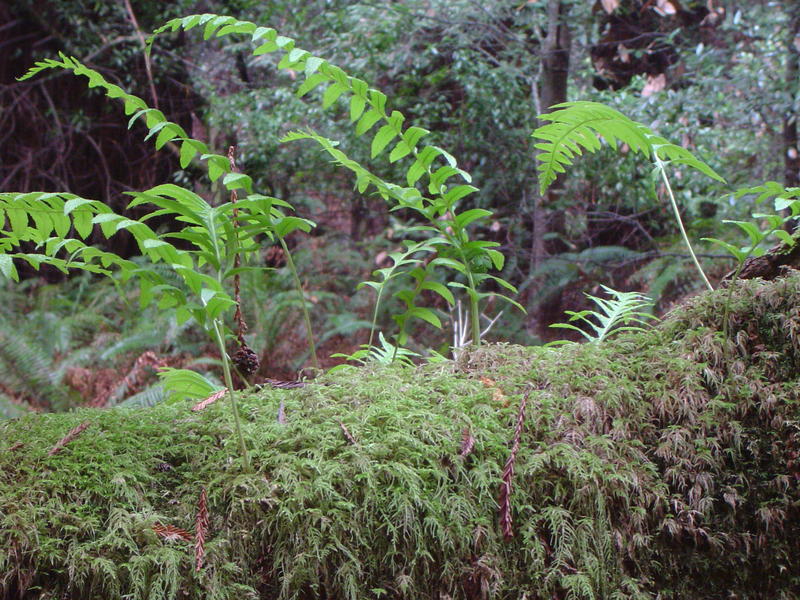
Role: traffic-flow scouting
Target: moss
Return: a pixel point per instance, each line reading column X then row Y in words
column 661, row 464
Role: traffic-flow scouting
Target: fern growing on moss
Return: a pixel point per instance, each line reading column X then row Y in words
column 624, row 311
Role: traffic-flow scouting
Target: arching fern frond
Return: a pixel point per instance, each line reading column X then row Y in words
column 624, row 311
column 578, row 126
column 367, row 106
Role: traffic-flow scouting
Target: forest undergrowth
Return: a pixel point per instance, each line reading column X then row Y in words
column 659, row 464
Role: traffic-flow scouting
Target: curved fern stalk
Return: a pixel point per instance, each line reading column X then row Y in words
column 576, row 127
column 367, row 108
column 660, row 167
column 159, row 127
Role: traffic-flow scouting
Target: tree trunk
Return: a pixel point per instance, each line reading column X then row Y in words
column 552, row 89
column 791, row 155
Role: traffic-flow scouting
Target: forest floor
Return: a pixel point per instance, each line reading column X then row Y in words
column 658, row 462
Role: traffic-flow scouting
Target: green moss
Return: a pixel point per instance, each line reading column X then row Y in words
column 663, row 462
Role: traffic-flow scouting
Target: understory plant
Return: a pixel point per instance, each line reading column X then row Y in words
column 623, row 311
column 215, row 244
column 575, row 127
column 767, row 226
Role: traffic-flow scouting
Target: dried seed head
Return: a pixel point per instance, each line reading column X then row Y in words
column 246, row 360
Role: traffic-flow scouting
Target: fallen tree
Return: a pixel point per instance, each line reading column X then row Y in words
column 661, row 464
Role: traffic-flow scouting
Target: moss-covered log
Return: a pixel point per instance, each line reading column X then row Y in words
column 659, row 465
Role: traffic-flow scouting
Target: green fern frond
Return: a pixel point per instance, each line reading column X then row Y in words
column 367, row 106
column 624, row 311
column 28, row 366
column 146, row 398
column 578, row 126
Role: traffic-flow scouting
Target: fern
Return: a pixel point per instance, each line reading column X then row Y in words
column 560, row 270
column 11, row 409
column 146, row 398
column 30, row 370
column 578, row 126
column 368, row 109
column 625, row 311
column 384, row 354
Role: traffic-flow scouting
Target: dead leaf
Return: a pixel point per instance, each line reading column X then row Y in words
column 210, row 400
column 610, row 5
column 499, row 397
column 171, row 533
column 654, row 84
column 665, row 7
column 467, row 442
column 497, row 394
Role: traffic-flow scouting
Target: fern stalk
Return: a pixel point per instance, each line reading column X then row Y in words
column 660, row 166
column 375, row 317
column 226, row 370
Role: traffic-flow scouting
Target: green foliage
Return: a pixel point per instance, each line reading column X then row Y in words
column 384, row 354
column 787, row 208
column 576, row 127
column 786, row 201
column 622, row 442
column 624, row 311
column 209, row 229
column 368, row 108
column 31, row 373
column 180, row 384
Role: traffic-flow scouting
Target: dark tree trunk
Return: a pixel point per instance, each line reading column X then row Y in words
column 791, row 155
column 555, row 56
column 552, row 89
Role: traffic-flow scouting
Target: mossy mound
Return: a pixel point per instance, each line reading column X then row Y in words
column 659, row 465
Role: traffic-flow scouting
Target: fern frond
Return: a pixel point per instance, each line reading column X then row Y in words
column 624, row 311
column 406, row 196
column 367, row 106
column 9, row 409
column 27, row 366
column 146, row 398
column 578, row 126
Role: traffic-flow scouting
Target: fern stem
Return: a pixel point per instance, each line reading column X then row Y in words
column 226, row 370
column 475, row 315
column 375, row 318
column 306, row 316
column 660, row 167
column 474, row 308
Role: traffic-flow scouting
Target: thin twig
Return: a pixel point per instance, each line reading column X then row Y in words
column 504, row 499
column 73, row 433
column 142, row 41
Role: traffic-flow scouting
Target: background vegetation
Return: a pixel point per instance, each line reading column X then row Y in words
column 718, row 77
